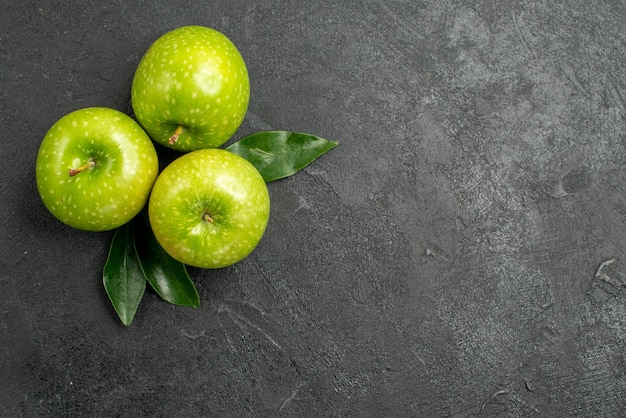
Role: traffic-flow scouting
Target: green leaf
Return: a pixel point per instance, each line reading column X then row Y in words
column 122, row 276
column 167, row 276
column 279, row 154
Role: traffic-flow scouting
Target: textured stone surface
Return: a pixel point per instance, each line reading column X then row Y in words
column 461, row 253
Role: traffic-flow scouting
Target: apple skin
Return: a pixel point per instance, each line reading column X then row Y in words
column 209, row 208
column 118, row 161
column 191, row 89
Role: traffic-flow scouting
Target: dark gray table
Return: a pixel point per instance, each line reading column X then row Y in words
column 461, row 253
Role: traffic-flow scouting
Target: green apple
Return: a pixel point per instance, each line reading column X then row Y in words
column 95, row 169
column 209, row 208
column 191, row 89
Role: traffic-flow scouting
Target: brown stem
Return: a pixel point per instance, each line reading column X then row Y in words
column 89, row 164
column 207, row 217
column 175, row 135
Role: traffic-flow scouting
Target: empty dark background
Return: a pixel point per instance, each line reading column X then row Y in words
column 461, row 253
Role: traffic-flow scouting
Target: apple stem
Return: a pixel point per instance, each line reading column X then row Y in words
column 89, row 164
column 175, row 135
column 207, row 217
